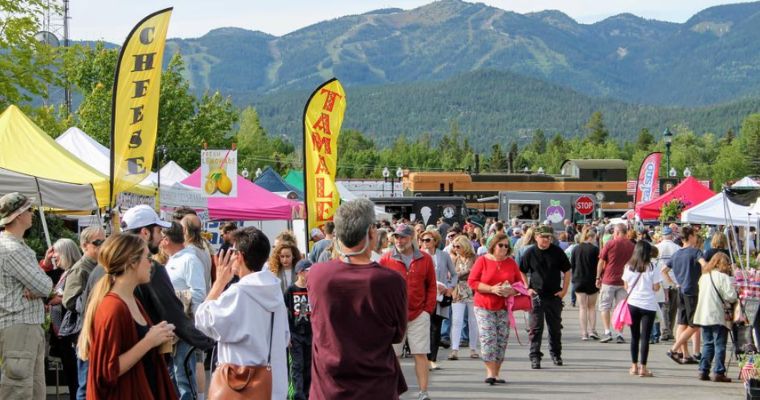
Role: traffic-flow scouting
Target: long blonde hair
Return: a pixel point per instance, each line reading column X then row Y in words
column 119, row 253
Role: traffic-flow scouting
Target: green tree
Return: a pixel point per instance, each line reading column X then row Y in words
column 185, row 124
column 537, row 142
column 645, row 140
column 496, row 160
column 597, row 132
column 27, row 66
column 749, row 136
column 729, row 138
column 357, row 155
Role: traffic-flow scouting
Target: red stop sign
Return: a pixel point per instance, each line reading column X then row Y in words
column 584, row 205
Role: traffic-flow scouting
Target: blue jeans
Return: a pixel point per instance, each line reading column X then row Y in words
column 185, row 378
column 714, row 339
column 82, row 367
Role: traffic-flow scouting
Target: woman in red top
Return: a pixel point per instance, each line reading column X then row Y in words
column 117, row 337
column 491, row 278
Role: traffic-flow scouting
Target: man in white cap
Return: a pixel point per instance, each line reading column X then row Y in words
column 23, row 286
column 157, row 297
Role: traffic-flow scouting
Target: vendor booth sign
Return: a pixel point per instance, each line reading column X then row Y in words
column 219, row 173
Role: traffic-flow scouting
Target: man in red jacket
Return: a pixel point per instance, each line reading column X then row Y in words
column 418, row 270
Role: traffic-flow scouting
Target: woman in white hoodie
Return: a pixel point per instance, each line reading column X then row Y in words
column 245, row 316
column 715, row 288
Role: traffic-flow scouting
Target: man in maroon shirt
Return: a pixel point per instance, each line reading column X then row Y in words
column 358, row 310
column 609, row 276
column 418, row 270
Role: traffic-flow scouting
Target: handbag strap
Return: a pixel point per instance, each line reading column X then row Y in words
column 716, row 288
column 271, row 333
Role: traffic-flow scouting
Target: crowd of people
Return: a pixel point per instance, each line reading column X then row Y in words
column 144, row 313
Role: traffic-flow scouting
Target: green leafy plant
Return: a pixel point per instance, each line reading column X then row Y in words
column 671, row 210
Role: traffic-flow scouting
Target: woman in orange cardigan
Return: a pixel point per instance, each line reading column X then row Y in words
column 117, row 336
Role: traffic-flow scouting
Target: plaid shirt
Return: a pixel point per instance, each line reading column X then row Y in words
column 19, row 270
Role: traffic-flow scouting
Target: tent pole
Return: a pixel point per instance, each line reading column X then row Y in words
column 45, row 227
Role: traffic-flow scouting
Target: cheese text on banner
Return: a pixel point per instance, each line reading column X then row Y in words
column 135, row 102
column 323, row 117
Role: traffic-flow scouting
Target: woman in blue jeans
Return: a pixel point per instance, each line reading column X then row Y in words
column 715, row 288
column 642, row 281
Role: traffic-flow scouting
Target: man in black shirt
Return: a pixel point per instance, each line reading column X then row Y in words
column 541, row 266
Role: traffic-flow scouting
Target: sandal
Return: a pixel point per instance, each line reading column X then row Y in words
column 474, row 355
column 453, row 356
column 675, row 356
column 646, row 374
column 634, row 370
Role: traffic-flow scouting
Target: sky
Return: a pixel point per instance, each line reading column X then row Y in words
column 111, row 20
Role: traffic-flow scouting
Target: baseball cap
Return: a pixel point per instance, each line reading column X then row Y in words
column 667, row 231
column 12, row 205
column 403, row 230
column 141, row 216
column 302, row 265
column 315, row 232
column 544, row 230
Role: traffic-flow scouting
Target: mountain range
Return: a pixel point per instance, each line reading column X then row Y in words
column 713, row 57
column 496, row 73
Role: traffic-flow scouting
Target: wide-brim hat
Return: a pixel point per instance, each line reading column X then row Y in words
column 12, row 205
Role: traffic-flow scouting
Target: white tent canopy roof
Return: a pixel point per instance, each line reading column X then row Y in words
column 718, row 210
column 745, row 182
column 347, row 195
column 98, row 156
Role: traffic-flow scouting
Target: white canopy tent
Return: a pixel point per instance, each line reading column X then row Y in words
column 745, row 182
column 718, row 210
column 347, row 195
column 98, row 156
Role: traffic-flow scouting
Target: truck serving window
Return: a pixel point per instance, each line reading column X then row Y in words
column 525, row 210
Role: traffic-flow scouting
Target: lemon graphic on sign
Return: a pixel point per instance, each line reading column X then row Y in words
column 224, row 184
column 210, row 186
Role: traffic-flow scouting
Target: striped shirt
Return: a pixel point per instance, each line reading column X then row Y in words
column 19, row 271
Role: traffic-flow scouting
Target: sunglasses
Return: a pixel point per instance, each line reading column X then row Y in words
column 456, row 246
column 97, row 242
column 426, row 240
column 502, row 245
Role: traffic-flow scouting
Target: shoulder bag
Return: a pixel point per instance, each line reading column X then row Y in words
column 621, row 317
column 728, row 308
column 238, row 382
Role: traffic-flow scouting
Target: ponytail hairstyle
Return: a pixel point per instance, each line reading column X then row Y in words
column 119, row 253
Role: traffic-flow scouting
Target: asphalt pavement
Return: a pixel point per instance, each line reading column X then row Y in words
column 591, row 370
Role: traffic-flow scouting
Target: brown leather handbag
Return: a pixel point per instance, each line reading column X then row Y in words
column 238, row 382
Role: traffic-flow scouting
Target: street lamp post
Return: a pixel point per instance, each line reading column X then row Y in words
column 399, row 175
column 386, row 174
column 668, row 142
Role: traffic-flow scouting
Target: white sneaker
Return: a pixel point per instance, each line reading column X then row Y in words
column 423, row 396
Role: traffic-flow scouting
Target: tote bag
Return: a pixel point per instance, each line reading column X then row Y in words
column 621, row 317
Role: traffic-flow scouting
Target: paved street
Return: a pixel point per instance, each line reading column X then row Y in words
column 592, row 370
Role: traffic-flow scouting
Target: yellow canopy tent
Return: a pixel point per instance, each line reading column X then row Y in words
column 25, row 148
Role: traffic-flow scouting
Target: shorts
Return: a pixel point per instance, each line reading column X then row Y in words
column 687, row 306
column 418, row 335
column 611, row 295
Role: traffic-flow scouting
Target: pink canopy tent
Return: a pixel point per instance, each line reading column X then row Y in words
column 252, row 203
column 689, row 191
